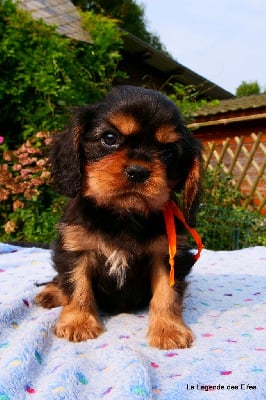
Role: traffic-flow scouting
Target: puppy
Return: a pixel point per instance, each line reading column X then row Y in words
column 120, row 162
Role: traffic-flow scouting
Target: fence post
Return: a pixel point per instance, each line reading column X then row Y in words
column 236, row 236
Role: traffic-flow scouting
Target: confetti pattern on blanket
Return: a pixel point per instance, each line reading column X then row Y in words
column 224, row 306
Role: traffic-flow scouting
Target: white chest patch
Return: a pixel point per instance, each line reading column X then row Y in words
column 117, row 262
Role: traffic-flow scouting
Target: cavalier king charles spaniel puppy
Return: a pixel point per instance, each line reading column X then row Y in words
column 120, row 162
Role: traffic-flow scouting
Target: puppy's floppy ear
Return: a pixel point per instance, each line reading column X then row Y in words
column 65, row 154
column 192, row 188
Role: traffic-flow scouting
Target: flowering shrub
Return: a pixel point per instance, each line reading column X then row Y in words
column 29, row 205
column 24, row 170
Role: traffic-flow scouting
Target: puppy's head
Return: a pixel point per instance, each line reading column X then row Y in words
column 129, row 152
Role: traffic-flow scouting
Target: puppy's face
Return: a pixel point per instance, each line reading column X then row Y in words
column 130, row 163
column 128, row 152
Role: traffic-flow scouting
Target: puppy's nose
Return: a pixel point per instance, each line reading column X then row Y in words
column 137, row 174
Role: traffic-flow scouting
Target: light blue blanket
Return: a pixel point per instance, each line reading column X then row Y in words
column 224, row 306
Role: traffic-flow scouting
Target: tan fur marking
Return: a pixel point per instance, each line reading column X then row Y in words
column 76, row 238
column 51, row 296
column 166, row 134
column 167, row 329
column 77, row 325
column 106, row 182
column 77, row 133
column 192, row 185
column 126, row 124
column 78, row 320
column 80, row 277
column 159, row 246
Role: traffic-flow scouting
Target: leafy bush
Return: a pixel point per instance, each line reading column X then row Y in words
column 187, row 98
column 222, row 221
column 130, row 16
column 248, row 89
column 42, row 72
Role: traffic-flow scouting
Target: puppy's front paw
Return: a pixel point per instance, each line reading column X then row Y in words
column 78, row 328
column 168, row 334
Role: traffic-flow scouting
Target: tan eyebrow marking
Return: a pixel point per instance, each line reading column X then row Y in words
column 166, row 134
column 126, row 124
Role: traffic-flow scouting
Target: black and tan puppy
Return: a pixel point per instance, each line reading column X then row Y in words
column 120, row 162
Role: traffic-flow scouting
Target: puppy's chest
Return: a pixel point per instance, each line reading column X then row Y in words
column 120, row 266
column 129, row 262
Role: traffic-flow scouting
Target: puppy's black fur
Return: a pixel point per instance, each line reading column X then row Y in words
column 120, row 161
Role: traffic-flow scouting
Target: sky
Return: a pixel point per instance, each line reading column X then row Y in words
column 222, row 40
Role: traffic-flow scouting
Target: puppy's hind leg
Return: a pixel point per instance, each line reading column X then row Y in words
column 51, row 296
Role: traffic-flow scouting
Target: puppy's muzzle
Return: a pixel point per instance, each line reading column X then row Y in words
column 137, row 173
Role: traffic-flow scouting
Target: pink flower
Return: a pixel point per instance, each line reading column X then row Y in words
column 17, row 167
column 2, row 139
column 40, row 163
column 25, row 172
column 17, row 204
column 45, row 175
column 10, row 226
column 7, row 155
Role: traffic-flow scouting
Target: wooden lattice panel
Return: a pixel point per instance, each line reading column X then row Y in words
column 245, row 160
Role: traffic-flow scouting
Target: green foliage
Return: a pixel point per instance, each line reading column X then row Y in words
column 248, row 88
column 42, row 72
column 130, row 16
column 187, row 99
column 104, row 54
column 222, row 221
column 32, row 224
column 219, row 189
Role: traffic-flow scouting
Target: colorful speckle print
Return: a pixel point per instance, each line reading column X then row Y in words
column 226, row 372
column 38, row 356
column 224, row 306
column 30, row 389
column 82, row 378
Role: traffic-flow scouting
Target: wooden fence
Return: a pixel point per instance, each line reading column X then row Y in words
column 244, row 158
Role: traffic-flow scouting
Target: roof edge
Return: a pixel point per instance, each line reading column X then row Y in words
column 157, row 59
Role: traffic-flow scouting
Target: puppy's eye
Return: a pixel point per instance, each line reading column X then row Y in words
column 167, row 155
column 111, row 139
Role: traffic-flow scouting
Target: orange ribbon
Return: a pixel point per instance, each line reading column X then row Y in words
column 171, row 210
